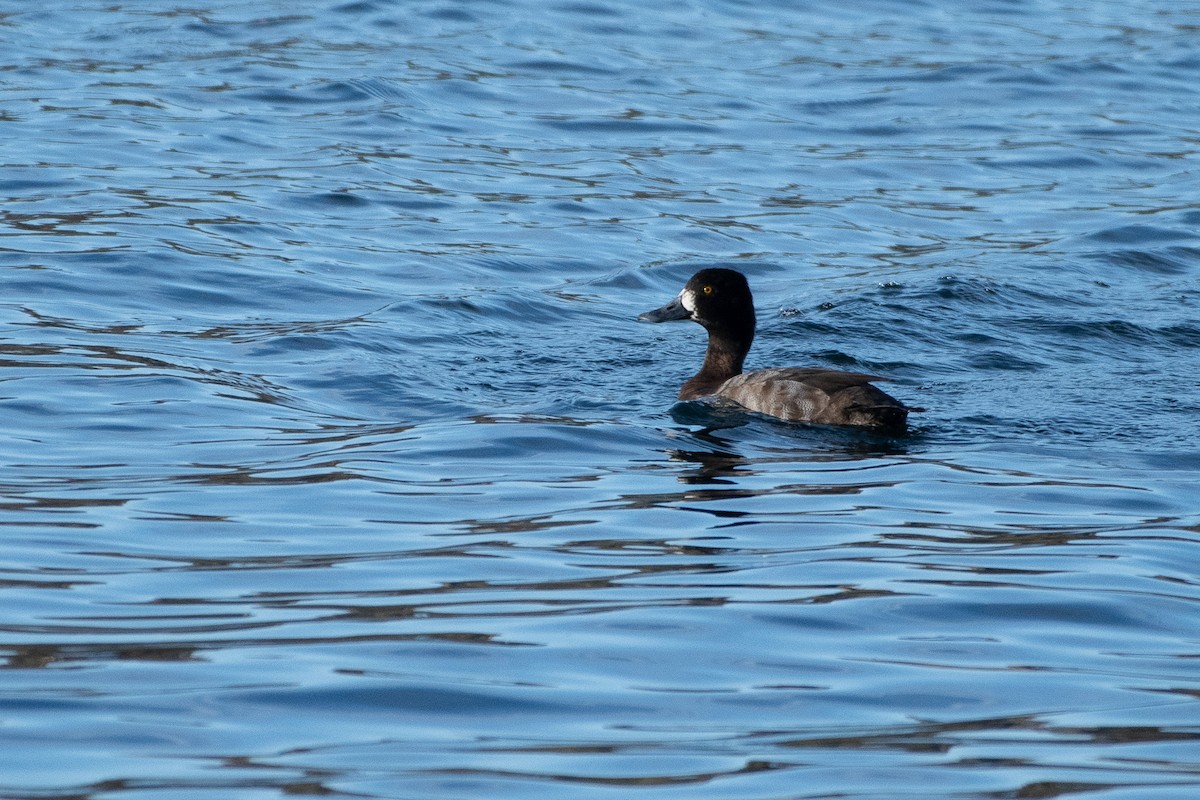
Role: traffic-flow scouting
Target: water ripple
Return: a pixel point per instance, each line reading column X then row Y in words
column 335, row 460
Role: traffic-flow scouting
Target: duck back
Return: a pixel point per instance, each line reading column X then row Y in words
column 824, row 396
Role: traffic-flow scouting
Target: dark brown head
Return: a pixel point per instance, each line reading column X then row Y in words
column 720, row 300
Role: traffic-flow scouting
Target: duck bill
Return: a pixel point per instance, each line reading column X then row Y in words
column 671, row 311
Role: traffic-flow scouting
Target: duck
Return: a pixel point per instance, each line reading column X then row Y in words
column 721, row 301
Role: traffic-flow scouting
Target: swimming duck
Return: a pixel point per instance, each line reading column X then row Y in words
column 720, row 300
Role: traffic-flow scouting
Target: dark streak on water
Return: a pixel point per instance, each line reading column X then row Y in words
column 334, row 461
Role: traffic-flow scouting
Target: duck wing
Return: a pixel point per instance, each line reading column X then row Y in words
column 813, row 394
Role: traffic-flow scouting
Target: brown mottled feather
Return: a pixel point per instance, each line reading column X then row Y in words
column 815, row 395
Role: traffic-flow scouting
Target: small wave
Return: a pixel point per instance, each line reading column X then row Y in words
column 1141, row 234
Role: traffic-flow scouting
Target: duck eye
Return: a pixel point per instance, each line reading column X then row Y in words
column 707, row 290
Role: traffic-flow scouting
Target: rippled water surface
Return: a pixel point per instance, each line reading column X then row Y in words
column 333, row 460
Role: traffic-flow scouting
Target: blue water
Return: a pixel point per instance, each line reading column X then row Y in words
column 334, row 462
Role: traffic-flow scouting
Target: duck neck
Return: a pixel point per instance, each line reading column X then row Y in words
column 726, row 352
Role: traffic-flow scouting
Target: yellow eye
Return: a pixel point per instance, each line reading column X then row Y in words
column 707, row 290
